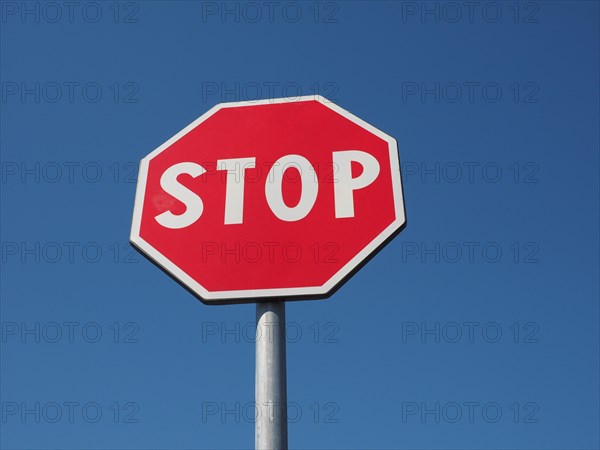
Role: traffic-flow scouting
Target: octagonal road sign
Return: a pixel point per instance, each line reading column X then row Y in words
column 277, row 198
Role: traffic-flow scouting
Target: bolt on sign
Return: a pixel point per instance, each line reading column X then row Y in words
column 280, row 198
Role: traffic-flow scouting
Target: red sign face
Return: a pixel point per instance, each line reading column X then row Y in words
column 274, row 198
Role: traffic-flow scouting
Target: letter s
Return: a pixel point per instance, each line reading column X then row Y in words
column 193, row 203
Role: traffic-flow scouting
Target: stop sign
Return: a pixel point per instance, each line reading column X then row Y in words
column 272, row 198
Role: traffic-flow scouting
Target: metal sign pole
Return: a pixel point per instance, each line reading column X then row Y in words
column 271, row 386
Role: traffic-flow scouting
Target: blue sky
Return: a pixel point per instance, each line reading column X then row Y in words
column 477, row 327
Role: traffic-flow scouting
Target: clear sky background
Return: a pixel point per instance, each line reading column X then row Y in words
column 477, row 327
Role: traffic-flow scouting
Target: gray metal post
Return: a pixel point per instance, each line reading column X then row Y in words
column 271, row 386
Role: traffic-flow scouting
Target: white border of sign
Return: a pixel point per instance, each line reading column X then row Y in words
column 253, row 295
